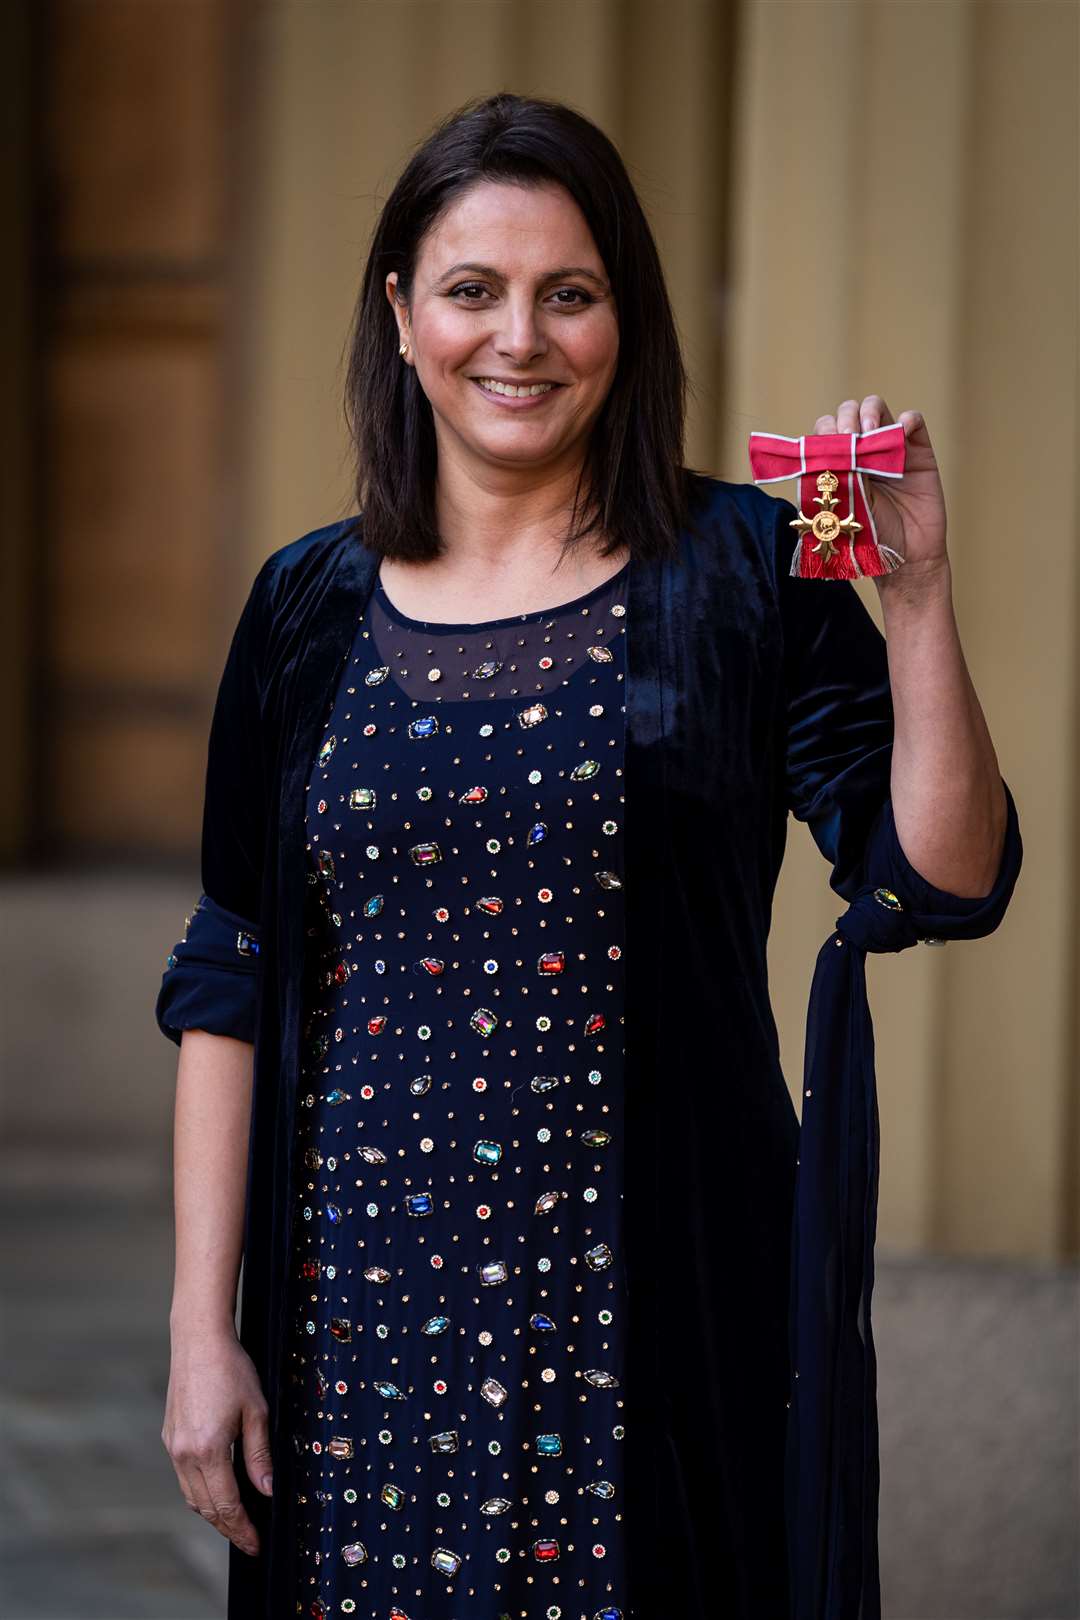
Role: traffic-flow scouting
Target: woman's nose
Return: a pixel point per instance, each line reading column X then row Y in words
column 520, row 336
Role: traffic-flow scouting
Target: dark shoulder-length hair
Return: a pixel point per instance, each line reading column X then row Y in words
column 633, row 486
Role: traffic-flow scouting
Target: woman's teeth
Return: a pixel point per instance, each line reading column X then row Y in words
column 514, row 392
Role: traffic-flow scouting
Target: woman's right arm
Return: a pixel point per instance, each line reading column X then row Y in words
column 208, row 1005
column 214, row 1395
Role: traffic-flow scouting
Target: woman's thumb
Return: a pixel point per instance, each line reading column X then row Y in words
column 257, row 1459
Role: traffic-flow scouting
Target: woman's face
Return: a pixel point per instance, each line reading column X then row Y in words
column 509, row 287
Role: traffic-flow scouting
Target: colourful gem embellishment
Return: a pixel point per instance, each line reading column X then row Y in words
column 885, row 897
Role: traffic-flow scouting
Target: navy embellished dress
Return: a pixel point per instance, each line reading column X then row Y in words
column 454, row 1372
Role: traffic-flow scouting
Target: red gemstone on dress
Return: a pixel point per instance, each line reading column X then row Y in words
column 377, row 1024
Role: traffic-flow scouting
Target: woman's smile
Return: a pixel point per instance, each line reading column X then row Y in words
column 515, row 396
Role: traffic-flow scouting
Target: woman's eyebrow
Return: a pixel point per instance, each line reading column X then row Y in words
column 548, row 275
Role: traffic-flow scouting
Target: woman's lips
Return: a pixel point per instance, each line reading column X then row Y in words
column 515, row 401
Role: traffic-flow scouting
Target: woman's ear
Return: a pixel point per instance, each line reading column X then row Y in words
column 401, row 315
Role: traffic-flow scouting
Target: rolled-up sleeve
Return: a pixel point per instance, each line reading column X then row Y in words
column 211, row 976
column 838, row 752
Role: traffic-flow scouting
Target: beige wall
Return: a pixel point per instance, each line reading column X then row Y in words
column 903, row 192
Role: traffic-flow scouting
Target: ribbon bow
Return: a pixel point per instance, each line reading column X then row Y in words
column 838, row 539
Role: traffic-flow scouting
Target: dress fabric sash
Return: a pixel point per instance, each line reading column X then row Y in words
column 831, row 1463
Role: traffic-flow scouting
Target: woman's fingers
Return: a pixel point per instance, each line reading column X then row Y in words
column 226, row 1511
column 256, row 1438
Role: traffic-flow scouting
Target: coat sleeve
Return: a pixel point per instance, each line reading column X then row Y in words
column 838, row 749
column 210, row 977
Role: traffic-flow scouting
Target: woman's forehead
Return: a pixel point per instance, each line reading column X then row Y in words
column 499, row 224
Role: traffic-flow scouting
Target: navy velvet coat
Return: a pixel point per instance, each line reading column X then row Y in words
column 751, row 1460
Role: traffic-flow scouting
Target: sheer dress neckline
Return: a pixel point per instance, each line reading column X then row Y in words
column 436, row 625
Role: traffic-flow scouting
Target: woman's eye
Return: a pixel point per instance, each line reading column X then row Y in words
column 475, row 287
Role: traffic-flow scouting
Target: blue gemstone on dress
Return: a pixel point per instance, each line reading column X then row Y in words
column 389, row 1392
column 549, row 1445
column 487, row 1152
column 435, row 1325
column 419, row 1204
column 537, row 833
column 425, row 727
column 542, row 1323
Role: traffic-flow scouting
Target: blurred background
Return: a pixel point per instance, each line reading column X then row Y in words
column 850, row 196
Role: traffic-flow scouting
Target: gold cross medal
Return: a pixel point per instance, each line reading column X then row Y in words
column 838, row 540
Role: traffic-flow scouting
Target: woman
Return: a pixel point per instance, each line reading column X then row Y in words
column 496, row 800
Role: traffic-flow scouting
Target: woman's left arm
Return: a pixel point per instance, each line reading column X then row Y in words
column 947, row 795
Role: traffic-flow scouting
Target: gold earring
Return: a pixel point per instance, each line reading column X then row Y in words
column 403, row 350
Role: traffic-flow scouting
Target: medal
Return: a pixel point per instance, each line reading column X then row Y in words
column 837, row 538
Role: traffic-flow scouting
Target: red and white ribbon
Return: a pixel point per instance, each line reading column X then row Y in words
column 879, row 453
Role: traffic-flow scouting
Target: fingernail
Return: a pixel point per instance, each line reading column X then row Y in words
column 267, row 1483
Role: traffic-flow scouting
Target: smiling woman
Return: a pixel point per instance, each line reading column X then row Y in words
column 516, row 256
column 488, row 863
